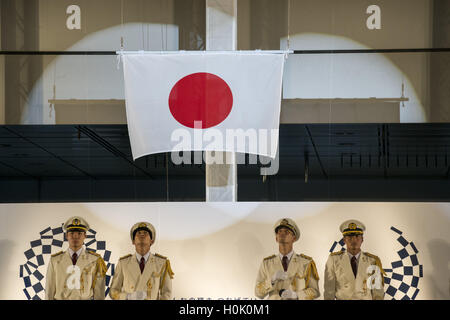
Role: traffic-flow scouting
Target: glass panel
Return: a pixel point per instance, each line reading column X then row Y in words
column 62, row 89
column 55, row 25
column 344, row 24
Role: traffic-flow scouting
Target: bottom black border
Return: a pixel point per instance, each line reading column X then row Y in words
column 223, row 309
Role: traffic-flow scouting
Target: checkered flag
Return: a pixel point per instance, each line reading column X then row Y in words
column 38, row 256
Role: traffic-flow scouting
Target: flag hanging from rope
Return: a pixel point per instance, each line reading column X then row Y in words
column 192, row 101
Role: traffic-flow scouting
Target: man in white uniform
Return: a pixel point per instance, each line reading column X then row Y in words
column 353, row 275
column 75, row 274
column 287, row 275
column 142, row 275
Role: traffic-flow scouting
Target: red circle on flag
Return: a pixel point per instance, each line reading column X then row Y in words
column 201, row 97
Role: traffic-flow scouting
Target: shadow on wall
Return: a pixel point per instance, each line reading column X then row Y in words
column 5, row 254
column 440, row 259
column 6, row 249
column 245, row 243
column 193, row 251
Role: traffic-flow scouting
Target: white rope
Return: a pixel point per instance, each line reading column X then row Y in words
column 162, row 30
column 54, row 88
column 121, row 25
column 289, row 25
column 142, row 25
column 119, row 59
column 121, row 35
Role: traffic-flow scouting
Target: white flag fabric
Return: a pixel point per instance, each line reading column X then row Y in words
column 196, row 101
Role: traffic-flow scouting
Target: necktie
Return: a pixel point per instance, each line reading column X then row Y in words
column 142, row 264
column 284, row 261
column 354, row 266
column 74, row 258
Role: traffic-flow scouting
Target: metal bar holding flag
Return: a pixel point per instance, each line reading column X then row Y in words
column 333, row 51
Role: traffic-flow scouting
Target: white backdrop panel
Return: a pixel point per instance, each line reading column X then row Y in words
column 215, row 249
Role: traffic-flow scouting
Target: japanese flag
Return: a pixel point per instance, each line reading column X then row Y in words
column 196, row 101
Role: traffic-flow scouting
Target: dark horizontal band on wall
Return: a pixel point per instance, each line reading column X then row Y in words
column 57, row 53
column 411, row 50
column 317, row 162
column 334, row 51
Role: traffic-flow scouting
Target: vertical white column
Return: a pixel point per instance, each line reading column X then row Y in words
column 221, row 34
column 221, row 24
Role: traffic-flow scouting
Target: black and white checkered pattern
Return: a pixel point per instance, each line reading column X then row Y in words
column 51, row 241
column 402, row 280
column 338, row 245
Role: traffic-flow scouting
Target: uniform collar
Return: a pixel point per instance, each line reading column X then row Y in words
column 356, row 256
column 71, row 252
column 146, row 256
column 289, row 255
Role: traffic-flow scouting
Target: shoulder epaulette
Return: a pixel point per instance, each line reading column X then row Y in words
column 336, row 253
column 371, row 255
column 160, row 256
column 270, row 257
column 124, row 257
column 57, row 254
column 101, row 266
column 311, row 269
column 94, row 253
